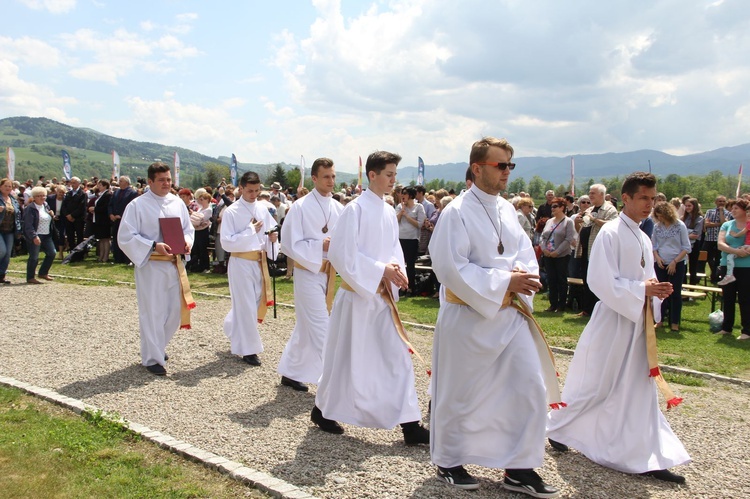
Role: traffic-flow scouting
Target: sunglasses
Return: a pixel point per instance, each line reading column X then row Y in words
column 501, row 166
column 555, row 205
column 584, row 202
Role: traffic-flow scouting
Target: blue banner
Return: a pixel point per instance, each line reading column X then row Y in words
column 420, row 172
column 67, row 171
column 233, row 170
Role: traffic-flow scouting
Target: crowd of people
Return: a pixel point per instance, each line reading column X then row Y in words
column 490, row 253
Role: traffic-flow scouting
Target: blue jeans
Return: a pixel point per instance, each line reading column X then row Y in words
column 6, row 248
column 48, row 245
column 671, row 308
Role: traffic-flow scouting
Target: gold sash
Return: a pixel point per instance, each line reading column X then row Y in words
column 186, row 303
column 328, row 269
column 546, row 358
column 653, row 363
column 265, row 294
column 384, row 290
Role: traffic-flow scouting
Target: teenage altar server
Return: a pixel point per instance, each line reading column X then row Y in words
column 248, row 232
column 161, row 284
column 613, row 415
column 305, row 237
column 368, row 377
column 491, row 368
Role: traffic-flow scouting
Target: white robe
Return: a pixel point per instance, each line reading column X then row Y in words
column 302, row 240
column 157, row 284
column 613, row 414
column 245, row 278
column 368, row 376
column 488, row 396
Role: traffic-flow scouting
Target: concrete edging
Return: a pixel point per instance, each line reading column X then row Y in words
column 234, row 470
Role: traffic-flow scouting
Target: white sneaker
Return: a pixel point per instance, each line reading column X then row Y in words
column 727, row 280
column 744, row 336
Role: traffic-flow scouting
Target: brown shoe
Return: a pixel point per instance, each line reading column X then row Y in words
column 46, row 277
column 33, row 281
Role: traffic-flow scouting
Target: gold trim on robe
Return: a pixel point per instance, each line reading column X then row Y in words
column 265, row 294
column 186, row 303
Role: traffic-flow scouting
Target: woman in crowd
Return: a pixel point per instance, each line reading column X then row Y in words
column 411, row 217
column 524, row 206
column 693, row 220
column 671, row 246
column 54, row 201
column 102, row 222
column 10, row 225
column 37, row 222
column 739, row 289
column 221, row 257
column 439, row 207
column 557, row 237
column 201, row 220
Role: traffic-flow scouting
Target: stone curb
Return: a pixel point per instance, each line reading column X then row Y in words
column 427, row 327
column 234, row 470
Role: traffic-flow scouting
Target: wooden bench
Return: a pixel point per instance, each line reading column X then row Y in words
column 575, row 281
column 692, row 294
column 423, row 268
column 716, row 293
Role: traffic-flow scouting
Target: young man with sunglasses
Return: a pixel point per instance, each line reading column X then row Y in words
column 489, row 401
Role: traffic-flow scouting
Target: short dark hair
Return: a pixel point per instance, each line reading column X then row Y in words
column 249, row 178
column 570, row 199
column 320, row 163
column 421, row 189
column 469, row 174
column 411, row 191
column 741, row 202
column 635, row 180
column 157, row 167
column 377, row 161
column 105, row 183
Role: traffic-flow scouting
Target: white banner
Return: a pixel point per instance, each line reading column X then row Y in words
column 115, row 164
column 11, row 163
column 176, row 169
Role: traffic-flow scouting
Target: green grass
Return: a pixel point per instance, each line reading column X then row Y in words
column 45, row 451
column 694, row 347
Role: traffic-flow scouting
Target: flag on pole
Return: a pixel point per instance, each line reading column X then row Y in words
column 233, row 170
column 739, row 183
column 11, row 163
column 301, row 172
column 115, row 164
column 359, row 175
column 176, row 169
column 572, row 176
column 67, row 170
column 420, row 171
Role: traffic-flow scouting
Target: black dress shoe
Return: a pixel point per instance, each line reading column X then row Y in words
column 558, row 446
column 294, row 385
column 415, row 433
column 253, row 359
column 665, row 475
column 166, row 357
column 550, row 309
column 157, row 369
column 327, row 425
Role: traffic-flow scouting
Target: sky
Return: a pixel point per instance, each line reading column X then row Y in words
column 273, row 80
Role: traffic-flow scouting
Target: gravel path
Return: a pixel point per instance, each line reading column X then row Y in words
column 216, row 402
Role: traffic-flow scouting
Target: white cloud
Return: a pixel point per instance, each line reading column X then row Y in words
column 115, row 55
column 22, row 98
column 29, row 51
column 53, row 6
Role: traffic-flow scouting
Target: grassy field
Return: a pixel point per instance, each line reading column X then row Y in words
column 46, row 451
column 694, row 347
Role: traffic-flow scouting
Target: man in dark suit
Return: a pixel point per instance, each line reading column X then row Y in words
column 74, row 211
column 120, row 199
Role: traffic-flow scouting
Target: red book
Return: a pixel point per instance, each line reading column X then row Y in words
column 171, row 231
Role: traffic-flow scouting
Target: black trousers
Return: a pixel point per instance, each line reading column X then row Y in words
column 557, row 280
column 714, row 257
column 74, row 232
column 737, row 292
column 694, row 264
column 588, row 298
column 199, row 253
column 410, row 248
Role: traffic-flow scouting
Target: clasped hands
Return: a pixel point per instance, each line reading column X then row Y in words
column 658, row 289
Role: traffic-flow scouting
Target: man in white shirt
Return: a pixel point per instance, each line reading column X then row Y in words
column 368, row 377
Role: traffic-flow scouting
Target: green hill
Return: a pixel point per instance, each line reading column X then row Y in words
column 38, row 142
